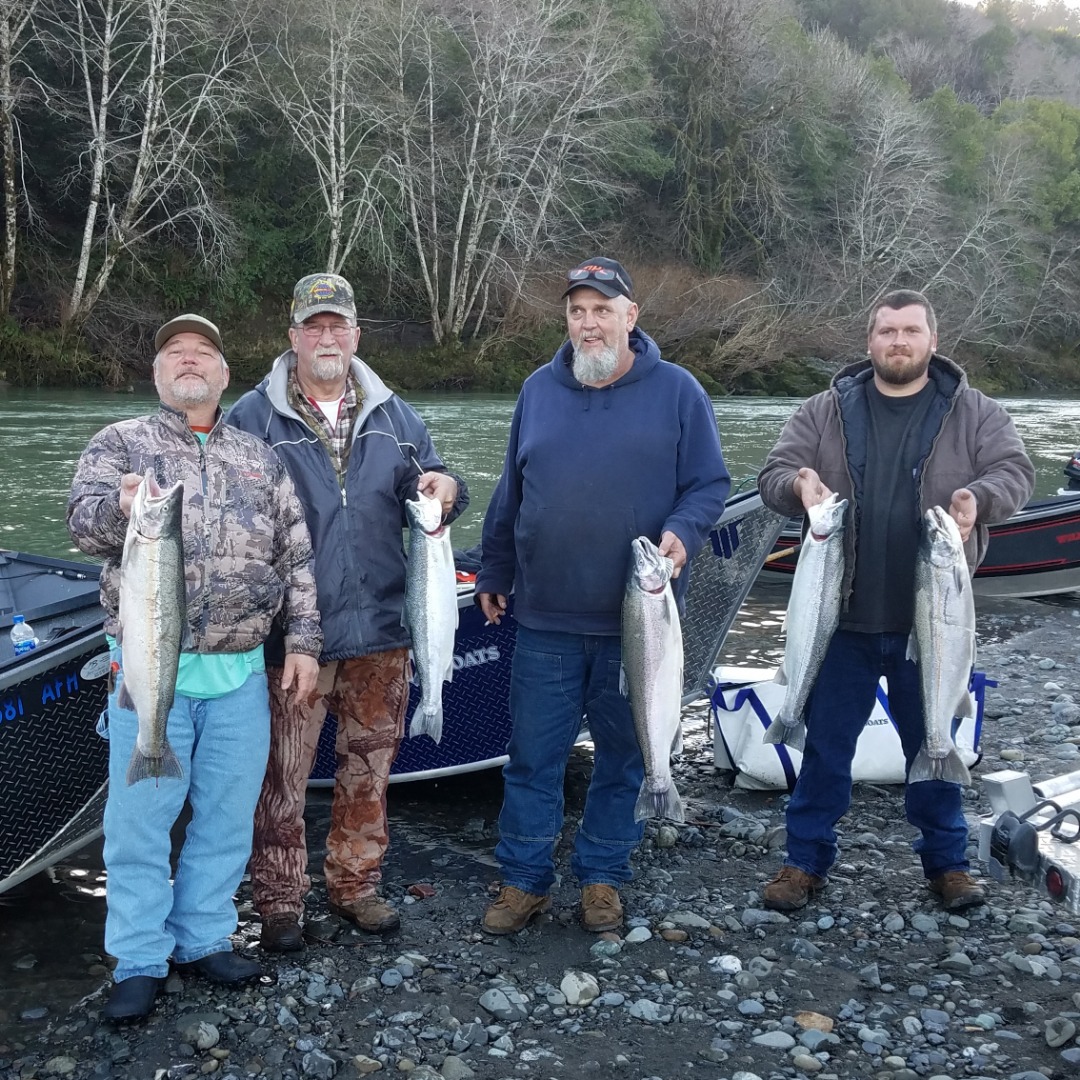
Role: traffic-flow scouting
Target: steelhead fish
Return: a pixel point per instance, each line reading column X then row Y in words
column 812, row 617
column 652, row 676
column 153, row 620
column 431, row 611
column 942, row 643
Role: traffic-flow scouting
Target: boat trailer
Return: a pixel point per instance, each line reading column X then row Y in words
column 1033, row 833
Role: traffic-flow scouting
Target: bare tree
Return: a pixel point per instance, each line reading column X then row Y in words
column 15, row 20
column 503, row 124
column 153, row 85
column 320, row 78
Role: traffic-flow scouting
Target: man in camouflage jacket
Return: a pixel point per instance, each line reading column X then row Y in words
column 246, row 558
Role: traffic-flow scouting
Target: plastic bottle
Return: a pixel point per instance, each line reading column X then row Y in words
column 23, row 638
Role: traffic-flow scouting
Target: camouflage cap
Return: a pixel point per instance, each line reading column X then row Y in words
column 189, row 324
column 322, row 292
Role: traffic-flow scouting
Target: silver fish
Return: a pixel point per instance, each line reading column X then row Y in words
column 812, row 616
column 153, row 618
column 942, row 643
column 431, row 610
column 652, row 676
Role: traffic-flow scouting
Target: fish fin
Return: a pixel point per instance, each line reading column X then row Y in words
column 624, row 686
column 120, row 635
column 780, row 675
column 960, row 578
column 187, row 639
column 668, row 804
column 676, row 742
column 142, row 767
column 123, row 699
column 427, row 723
column 781, row 734
column 659, row 804
column 949, row 768
column 414, row 676
column 966, row 708
column 912, row 648
column 448, row 673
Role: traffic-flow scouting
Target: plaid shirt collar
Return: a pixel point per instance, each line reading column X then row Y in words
column 337, row 438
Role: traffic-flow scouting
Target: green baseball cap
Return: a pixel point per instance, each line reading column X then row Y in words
column 322, row 292
column 189, row 324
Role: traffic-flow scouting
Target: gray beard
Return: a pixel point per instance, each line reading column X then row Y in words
column 328, row 368
column 189, row 392
column 595, row 367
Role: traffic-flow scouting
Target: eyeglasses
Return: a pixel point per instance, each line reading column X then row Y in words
column 596, row 273
column 316, row 331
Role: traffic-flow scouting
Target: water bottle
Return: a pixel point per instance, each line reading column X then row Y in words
column 23, row 638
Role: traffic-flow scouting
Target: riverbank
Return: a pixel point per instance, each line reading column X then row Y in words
column 871, row 980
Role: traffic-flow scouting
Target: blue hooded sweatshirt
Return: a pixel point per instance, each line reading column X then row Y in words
column 587, row 470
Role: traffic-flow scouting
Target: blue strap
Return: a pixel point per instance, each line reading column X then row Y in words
column 742, row 697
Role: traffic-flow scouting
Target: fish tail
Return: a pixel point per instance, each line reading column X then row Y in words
column 780, row 734
column 427, row 721
column 144, row 767
column 659, row 804
column 950, row 768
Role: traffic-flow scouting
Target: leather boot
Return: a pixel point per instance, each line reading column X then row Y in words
column 513, row 910
column 791, row 889
column 281, row 933
column 601, row 908
column 371, row 913
column 226, row 968
column 957, row 889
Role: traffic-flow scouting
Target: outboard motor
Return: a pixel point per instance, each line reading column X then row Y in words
column 1072, row 471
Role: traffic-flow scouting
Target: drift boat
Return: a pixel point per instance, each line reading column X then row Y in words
column 55, row 766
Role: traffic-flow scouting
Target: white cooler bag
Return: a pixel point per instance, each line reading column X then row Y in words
column 744, row 703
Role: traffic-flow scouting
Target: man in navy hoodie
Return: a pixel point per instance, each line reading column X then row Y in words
column 608, row 442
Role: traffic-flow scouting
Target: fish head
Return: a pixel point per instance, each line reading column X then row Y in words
column 425, row 514
column 827, row 517
column 941, row 535
column 156, row 511
column 649, row 570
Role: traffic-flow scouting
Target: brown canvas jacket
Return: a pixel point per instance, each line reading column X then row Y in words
column 247, row 553
column 976, row 446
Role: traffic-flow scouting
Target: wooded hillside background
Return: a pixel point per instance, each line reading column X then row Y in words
column 764, row 167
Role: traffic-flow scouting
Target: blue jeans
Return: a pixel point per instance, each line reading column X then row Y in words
column 222, row 744
column 839, row 707
column 557, row 678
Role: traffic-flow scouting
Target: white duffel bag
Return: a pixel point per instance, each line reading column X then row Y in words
column 744, row 701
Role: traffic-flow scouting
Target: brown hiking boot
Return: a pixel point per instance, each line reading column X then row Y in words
column 513, row 910
column 371, row 913
column 791, row 888
column 281, row 933
column 957, row 889
column 601, row 908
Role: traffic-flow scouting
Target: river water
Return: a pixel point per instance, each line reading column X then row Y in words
column 51, row 928
column 42, row 433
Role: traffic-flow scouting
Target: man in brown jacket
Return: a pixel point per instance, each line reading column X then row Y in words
column 895, row 434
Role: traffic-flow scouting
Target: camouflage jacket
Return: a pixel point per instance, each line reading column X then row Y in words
column 247, row 553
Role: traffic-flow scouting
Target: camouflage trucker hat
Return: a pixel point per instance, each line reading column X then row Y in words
column 322, row 292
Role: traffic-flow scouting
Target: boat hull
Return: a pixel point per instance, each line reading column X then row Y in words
column 55, row 765
column 1035, row 553
column 53, row 762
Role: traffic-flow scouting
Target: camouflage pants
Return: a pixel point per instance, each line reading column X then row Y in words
column 368, row 695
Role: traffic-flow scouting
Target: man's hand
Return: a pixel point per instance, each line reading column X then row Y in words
column 129, row 484
column 437, row 485
column 671, row 547
column 493, row 605
column 809, row 489
column 963, row 510
column 301, row 672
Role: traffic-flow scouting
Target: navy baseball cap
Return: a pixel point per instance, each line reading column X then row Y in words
column 604, row 275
